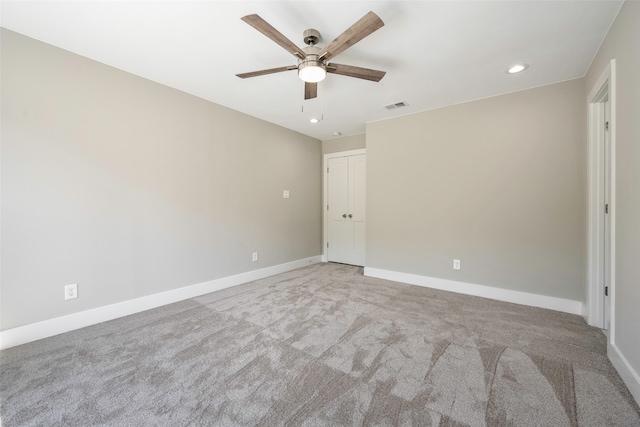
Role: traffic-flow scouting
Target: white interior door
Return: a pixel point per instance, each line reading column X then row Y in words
column 357, row 210
column 607, row 215
column 601, row 231
column 339, row 245
column 346, row 197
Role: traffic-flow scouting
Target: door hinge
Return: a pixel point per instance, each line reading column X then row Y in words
column 606, row 291
column 606, row 208
column 327, row 245
column 327, row 207
column 606, row 126
column 327, row 170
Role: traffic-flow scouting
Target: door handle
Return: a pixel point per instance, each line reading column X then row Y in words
column 344, row 215
column 350, row 216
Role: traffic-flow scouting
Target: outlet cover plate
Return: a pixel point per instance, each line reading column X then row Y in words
column 71, row 291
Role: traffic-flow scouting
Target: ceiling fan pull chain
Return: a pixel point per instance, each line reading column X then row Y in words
column 320, row 92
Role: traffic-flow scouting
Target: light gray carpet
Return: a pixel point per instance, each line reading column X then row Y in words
column 321, row 345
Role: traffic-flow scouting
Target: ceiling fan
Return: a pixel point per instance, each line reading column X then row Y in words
column 313, row 64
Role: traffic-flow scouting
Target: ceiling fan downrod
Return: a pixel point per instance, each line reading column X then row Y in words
column 311, row 36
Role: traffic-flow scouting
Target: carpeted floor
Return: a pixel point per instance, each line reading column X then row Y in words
column 322, row 345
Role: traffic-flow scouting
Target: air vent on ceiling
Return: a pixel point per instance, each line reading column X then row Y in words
column 396, row 105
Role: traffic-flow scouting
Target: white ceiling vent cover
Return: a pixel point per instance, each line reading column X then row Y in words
column 396, row 105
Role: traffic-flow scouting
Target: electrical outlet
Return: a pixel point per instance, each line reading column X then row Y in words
column 254, row 257
column 456, row 264
column 71, row 291
column 285, row 194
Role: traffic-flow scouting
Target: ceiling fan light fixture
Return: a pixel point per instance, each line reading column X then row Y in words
column 311, row 70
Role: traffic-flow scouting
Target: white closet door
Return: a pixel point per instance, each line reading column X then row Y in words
column 357, row 199
column 347, row 215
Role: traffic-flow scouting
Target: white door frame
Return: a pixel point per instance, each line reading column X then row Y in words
column 325, row 195
column 605, row 88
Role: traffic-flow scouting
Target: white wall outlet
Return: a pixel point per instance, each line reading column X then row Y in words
column 285, row 194
column 71, row 291
column 456, row 264
column 254, row 256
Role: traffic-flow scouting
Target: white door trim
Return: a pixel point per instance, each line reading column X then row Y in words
column 325, row 197
column 605, row 88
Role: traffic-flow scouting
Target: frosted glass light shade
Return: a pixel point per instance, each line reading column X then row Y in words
column 311, row 71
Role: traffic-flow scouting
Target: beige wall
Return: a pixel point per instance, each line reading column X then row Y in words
column 623, row 44
column 346, row 143
column 130, row 188
column 498, row 183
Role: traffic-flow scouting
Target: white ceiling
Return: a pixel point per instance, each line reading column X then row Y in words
column 435, row 53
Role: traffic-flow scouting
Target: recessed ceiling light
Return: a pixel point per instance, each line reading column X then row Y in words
column 517, row 68
column 337, row 134
column 314, row 120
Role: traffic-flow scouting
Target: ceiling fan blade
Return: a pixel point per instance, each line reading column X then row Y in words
column 357, row 72
column 265, row 28
column 310, row 90
column 269, row 71
column 361, row 29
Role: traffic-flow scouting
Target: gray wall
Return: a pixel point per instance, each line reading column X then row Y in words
column 622, row 43
column 345, row 143
column 130, row 188
column 498, row 183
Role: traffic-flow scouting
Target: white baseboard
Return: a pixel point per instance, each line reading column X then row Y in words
column 625, row 370
column 500, row 294
column 59, row 325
